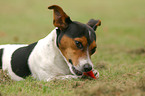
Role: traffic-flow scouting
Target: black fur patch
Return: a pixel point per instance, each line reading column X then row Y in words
column 75, row 30
column 1, row 53
column 19, row 60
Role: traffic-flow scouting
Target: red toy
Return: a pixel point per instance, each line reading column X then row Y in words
column 90, row 73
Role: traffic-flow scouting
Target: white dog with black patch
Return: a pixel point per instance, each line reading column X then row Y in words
column 64, row 53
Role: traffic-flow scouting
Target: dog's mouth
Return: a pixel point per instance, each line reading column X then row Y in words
column 77, row 72
column 82, row 73
column 85, row 73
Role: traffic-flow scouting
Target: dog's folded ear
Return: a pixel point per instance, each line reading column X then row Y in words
column 61, row 19
column 94, row 23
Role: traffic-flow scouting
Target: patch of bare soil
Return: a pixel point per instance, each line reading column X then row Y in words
column 126, row 88
column 2, row 34
column 16, row 39
column 141, row 83
column 138, row 51
column 4, row 77
column 108, row 89
column 101, row 65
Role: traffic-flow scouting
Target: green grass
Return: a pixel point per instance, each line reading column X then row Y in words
column 120, row 56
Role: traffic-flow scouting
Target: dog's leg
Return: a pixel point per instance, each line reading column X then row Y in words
column 96, row 73
column 63, row 77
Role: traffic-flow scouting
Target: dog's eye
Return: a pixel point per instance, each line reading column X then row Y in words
column 93, row 50
column 79, row 44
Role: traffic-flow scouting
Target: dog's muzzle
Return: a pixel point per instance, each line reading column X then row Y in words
column 86, row 68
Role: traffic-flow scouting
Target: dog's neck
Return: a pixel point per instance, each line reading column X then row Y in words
column 53, row 53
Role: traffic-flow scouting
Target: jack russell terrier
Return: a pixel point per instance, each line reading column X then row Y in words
column 64, row 53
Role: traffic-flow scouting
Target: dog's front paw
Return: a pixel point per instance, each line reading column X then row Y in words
column 62, row 77
column 96, row 73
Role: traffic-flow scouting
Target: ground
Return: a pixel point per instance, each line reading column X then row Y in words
column 120, row 56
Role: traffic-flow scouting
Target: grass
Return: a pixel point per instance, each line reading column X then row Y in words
column 120, row 57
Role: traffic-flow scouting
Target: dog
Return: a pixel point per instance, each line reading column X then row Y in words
column 64, row 53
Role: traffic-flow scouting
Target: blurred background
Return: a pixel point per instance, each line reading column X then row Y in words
column 26, row 21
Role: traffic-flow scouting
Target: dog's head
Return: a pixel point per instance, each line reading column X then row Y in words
column 76, row 41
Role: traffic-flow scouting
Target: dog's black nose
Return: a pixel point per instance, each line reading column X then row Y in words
column 87, row 67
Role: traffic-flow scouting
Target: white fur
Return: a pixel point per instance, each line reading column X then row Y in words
column 84, row 60
column 46, row 61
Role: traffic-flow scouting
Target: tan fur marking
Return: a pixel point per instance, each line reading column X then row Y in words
column 83, row 40
column 99, row 23
column 71, row 51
